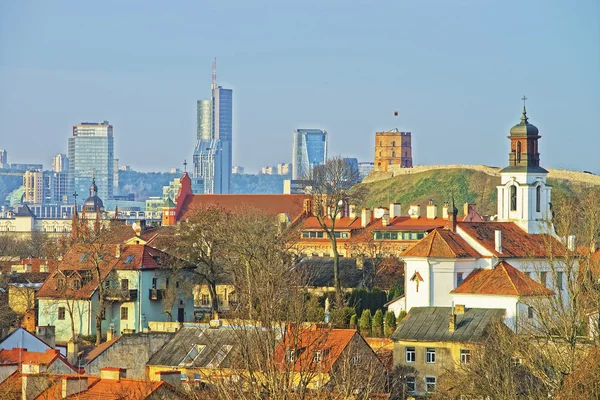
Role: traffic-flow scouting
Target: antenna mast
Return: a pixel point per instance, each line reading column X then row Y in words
column 214, row 73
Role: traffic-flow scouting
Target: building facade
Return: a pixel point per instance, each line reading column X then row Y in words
column 309, row 150
column 365, row 168
column 393, row 148
column 91, row 154
column 60, row 163
column 4, row 159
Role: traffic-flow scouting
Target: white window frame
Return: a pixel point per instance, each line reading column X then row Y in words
column 428, row 383
column 465, row 356
column 413, row 383
column 430, row 355
column 410, row 351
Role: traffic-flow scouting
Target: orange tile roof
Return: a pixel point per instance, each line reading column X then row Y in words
column 22, row 356
column 503, row 279
column 340, row 224
column 36, row 263
column 516, row 242
column 290, row 204
column 306, row 341
column 406, row 223
column 441, row 243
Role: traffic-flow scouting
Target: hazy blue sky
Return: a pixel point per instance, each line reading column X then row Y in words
column 455, row 71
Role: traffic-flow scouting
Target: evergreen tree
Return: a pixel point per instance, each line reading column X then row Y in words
column 353, row 321
column 390, row 323
column 378, row 324
column 365, row 323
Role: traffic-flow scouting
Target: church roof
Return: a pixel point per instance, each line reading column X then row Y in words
column 504, row 279
column 524, row 128
column 168, row 203
column 25, row 211
column 441, row 243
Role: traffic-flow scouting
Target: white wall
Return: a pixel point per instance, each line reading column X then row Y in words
column 508, row 303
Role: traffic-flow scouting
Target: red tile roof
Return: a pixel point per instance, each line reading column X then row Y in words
column 340, row 224
column 290, row 204
column 22, row 356
column 36, row 263
column 441, row 243
column 504, row 279
column 306, row 341
column 516, row 243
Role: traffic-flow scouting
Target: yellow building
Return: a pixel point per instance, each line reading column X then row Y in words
column 21, row 296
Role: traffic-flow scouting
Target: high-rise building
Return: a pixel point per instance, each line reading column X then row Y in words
column 60, row 163
column 3, row 159
column 91, row 155
column 309, row 151
column 116, row 174
column 213, row 160
column 283, row 168
column 60, row 188
column 33, row 183
column 365, row 168
column 237, row 170
column 393, row 148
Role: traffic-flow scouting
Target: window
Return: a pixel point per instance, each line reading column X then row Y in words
column 559, row 280
column 410, row 354
column 129, row 259
column 194, row 352
column 459, row 278
column 291, row 356
column 124, row 284
column 103, row 314
column 205, row 299
column 465, row 356
column 356, row 359
column 83, row 257
column 538, row 199
column 393, row 154
column 61, row 313
column 393, row 144
column 411, row 384
column 177, row 284
column 543, row 277
column 430, row 356
column 515, row 361
column 154, row 282
column 76, row 284
column 518, row 152
column 529, row 312
column 430, row 384
column 513, row 198
column 60, row 284
column 124, row 313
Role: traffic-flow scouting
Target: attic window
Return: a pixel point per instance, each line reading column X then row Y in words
column 129, row 259
column 101, row 256
column 83, row 257
column 191, row 356
column 220, row 356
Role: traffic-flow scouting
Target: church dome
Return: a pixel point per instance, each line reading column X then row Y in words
column 93, row 203
column 524, row 128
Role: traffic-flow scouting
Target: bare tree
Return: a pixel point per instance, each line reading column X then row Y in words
column 329, row 186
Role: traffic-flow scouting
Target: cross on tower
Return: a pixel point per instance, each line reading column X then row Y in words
column 185, row 165
column 524, row 99
column 75, row 196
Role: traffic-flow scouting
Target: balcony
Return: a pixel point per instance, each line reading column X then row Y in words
column 121, row 295
column 156, row 294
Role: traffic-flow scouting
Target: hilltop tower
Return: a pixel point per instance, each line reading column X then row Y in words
column 393, row 148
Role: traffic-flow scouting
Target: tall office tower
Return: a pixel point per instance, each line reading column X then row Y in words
column 60, row 193
column 3, row 159
column 91, row 154
column 204, row 120
column 116, row 174
column 213, row 161
column 60, row 163
column 309, row 150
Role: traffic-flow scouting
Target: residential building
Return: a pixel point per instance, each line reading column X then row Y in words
column 134, row 282
column 60, row 163
column 393, row 148
column 365, row 168
column 237, row 170
column 309, row 150
column 268, row 170
column 4, row 159
column 22, row 339
column 25, row 167
column 435, row 340
column 284, row 168
column 91, row 154
column 35, row 188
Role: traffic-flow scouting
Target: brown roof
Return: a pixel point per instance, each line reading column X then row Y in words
column 290, row 204
column 441, row 243
column 407, row 223
column 515, row 241
column 504, row 279
column 340, row 224
column 20, row 356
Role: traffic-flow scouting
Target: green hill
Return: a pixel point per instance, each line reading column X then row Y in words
column 468, row 184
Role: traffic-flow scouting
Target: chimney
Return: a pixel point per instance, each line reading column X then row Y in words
column 498, row 241
column 47, row 334
column 452, row 219
column 72, row 352
column 365, row 217
column 459, row 309
column 110, row 332
column 73, row 384
column 431, row 210
column 113, row 374
column 307, row 205
column 34, row 380
column 571, row 242
column 452, row 325
column 414, row 211
column 385, row 220
column 445, row 210
column 352, row 211
column 395, row 210
column 118, row 251
column 172, row 377
column 215, row 323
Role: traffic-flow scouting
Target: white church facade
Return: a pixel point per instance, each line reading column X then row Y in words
column 503, row 263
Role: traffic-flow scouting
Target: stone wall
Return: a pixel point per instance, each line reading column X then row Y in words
column 131, row 352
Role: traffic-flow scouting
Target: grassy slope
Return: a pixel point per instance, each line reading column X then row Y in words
column 467, row 185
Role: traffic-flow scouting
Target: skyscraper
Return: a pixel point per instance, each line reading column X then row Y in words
column 309, row 150
column 3, row 159
column 213, row 153
column 91, row 154
column 60, row 163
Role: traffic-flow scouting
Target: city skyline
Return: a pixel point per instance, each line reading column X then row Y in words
column 451, row 70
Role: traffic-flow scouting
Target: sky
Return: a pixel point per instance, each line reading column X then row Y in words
column 454, row 70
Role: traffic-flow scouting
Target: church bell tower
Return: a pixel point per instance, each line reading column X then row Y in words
column 523, row 195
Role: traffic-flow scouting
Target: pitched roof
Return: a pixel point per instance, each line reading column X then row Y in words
column 430, row 324
column 304, row 342
column 407, row 223
column 504, row 279
column 516, row 243
column 343, row 223
column 24, row 211
column 290, row 204
column 20, row 356
column 97, row 350
column 441, row 243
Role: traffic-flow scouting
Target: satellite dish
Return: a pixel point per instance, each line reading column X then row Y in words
column 411, row 211
column 134, row 226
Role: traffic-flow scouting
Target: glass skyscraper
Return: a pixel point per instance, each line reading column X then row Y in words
column 91, row 153
column 309, row 150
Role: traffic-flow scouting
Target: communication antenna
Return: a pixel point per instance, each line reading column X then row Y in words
column 214, row 73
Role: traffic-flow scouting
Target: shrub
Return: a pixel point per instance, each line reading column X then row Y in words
column 378, row 324
column 365, row 323
column 390, row 323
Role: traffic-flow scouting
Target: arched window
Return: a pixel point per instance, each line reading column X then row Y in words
column 393, row 154
column 513, row 198
column 538, row 198
column 380, row 143
column 379, row 154
column 518, row 152
column 393, row 144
